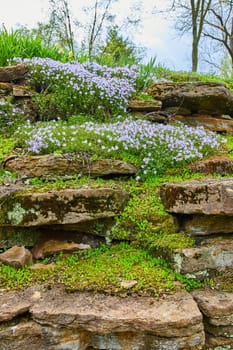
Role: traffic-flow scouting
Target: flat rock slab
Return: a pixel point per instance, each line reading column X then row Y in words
column 203, row 225
column 209, row 197
column 213, row 256
column 217, row 308
column 16, row 72
column 65, row 207
column 60, row 165
column 219, row 125
column 217, row 165
column 144, row 106
column 101, row 321
column 211, row 98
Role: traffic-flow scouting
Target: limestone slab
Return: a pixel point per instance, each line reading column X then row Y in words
column 220, row 164
column 65, row 207
column 173, row 316
column 51, row 165
column 213, row 124
column 16, row 257
column 144, row 106
column 193, row 96
column 55, row 320
column 217, row 309
column 209, row 197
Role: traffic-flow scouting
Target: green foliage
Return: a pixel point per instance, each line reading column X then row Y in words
column 20, row 43
column 6, row 147
column 146, row 74
column 143, row 96
column 10, row 118
column 118, row 51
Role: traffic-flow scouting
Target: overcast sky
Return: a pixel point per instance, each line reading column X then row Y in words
column 156, row 33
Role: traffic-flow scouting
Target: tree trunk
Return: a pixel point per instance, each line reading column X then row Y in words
column 194, row 56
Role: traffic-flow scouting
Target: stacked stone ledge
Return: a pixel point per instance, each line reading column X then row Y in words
column 37, row 318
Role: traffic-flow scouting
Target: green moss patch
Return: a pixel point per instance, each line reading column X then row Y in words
column 103, row 269
column 145, row 222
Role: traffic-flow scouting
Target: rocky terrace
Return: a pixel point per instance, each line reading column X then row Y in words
column 47, row 315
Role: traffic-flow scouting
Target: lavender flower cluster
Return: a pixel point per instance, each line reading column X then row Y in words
column 10, row 116
column 84, row 88
column 157, row 146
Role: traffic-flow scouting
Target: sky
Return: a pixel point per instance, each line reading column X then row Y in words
column 156, row 33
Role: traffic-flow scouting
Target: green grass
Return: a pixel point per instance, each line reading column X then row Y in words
column 17, row 43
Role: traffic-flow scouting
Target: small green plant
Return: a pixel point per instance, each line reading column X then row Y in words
column 103, row 270
column 6, row 147
column 10, row 118
column 146, row 74
column 12, row 278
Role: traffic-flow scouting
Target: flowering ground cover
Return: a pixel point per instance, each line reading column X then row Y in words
column 66, row 89
column 154, row 147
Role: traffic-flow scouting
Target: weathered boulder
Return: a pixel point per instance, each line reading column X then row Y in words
column 219, row 125
column 16, row 257
column 144, row 106
column 209, row 197
column 220, row 164
column 59, row 165
column 213, row 256
column 12, row 305
column 198, row 97
column 57, row 320
column 217, row 308
column 16, row 72
column 64, row 207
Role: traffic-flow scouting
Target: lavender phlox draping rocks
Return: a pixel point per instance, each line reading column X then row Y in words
column 156, row 146
column 92, row 88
